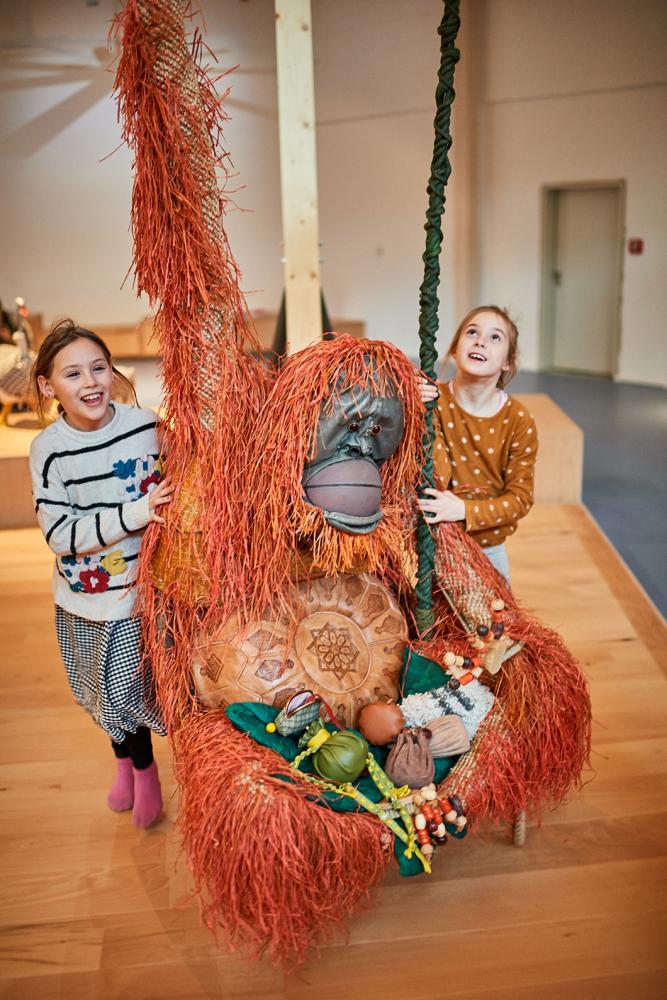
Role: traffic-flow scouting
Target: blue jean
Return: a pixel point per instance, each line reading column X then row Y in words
column 497, row 556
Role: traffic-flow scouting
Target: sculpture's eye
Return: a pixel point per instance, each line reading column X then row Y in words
column 375, row 430
column 353, row 427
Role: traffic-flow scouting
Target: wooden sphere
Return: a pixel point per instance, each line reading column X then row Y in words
column 380, row 722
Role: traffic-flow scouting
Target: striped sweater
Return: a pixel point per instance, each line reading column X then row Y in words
column 91, row 497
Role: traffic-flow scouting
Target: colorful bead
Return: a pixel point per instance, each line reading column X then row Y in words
column 456, row 803
column 450, row 659
column 497, row 605
column 447, row 810
column 482, row 630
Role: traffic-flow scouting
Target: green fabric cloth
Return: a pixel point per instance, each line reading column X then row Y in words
column 419, row 674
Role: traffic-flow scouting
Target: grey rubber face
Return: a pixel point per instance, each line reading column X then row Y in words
column 360, row 425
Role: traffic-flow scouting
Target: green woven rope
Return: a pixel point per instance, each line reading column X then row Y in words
column 428, row 293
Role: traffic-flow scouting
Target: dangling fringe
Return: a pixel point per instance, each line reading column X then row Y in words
column 536, row 741
column 275, row 871
column 286, row 439
column 172, row 120
column 489, row 778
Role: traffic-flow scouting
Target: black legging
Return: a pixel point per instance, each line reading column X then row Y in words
column 137, row 746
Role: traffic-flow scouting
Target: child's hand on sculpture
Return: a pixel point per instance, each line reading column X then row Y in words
column 442, row 506
column 160, row 495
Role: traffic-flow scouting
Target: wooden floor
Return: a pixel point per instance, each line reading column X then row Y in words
column 92, row 908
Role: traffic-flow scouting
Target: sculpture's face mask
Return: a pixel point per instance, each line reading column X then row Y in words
column 354, row 438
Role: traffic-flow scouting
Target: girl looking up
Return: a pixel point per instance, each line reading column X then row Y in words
column 485, row 441
column 96, row 485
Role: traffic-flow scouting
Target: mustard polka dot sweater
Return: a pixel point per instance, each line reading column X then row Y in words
column 487, row 461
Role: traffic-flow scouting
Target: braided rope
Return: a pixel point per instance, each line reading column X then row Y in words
column 428, row 293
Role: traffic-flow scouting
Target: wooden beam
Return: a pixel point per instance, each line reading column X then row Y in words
column 298, row 172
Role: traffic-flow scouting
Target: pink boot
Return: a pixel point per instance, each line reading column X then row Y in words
column 121, row 793
column 147, row 796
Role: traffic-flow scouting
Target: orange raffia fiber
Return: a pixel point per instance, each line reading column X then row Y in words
column 282, row 522
column 172, row 120
column 536, row 741
column 275, row 872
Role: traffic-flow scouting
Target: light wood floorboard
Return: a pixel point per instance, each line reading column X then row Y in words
column 92, row 908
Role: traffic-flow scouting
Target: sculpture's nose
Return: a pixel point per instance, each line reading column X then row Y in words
column 356, row 446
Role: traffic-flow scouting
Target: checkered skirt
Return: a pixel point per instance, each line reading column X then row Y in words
column 102, row 661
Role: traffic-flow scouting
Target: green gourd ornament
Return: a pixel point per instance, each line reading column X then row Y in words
column 338, row 757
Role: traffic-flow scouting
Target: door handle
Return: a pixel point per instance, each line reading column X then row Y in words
column 556, row 277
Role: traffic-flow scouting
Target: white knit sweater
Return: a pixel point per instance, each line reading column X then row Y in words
column 91, row 496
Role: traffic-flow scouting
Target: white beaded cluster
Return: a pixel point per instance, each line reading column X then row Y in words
column 471, row 703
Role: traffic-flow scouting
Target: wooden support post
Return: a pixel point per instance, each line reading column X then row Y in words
column 298, row 172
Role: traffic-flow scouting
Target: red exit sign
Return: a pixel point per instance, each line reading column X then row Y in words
column 635, row 246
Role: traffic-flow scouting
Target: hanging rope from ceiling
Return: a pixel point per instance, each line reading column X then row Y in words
column 428, row 292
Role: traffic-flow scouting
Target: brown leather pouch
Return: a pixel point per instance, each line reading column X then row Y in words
column 410, row 761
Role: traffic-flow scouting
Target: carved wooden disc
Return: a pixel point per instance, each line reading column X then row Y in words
column 347, row 647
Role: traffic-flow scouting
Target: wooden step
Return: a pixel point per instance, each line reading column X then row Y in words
column 560, row 458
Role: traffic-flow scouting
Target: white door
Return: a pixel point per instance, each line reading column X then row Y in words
column 585, row 279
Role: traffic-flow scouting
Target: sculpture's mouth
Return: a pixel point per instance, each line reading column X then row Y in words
column 348, row 490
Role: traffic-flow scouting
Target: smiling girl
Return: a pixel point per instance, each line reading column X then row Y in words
column 96, row 485
column 485, row 441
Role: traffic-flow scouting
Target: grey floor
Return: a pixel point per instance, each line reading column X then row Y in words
column 625, row 465
column 625, row 460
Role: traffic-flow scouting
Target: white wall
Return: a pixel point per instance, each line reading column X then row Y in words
column 575, row 92
column 65, row 209
column 375, row 74
column 68, row 213
column 568, row 91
